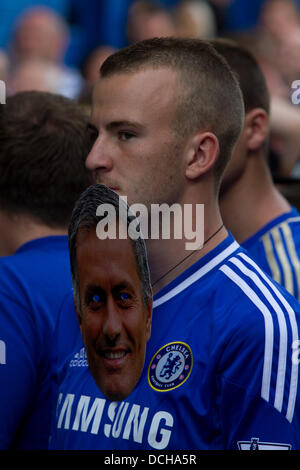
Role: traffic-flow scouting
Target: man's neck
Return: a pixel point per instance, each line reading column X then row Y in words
column 19, row 229
column 252, row 201
column 168, row 258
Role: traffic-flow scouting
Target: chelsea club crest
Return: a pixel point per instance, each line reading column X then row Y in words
column 170, row 367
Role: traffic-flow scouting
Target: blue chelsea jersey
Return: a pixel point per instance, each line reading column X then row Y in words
column 34, row 283
column 221, row 368
column 276, row 249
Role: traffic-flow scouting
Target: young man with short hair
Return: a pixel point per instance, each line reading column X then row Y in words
column 219, row 369
column 43, row 145
column 257, row 214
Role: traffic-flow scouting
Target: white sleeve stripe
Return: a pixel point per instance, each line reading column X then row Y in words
column 292, row 219
column 293, row 254
column 279, row 391
column 285, row 263
column 269, row 329
column 197, row 275
column 295, row 336
column 271, row 258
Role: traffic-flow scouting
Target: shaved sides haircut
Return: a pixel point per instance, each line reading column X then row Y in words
column 208, row 95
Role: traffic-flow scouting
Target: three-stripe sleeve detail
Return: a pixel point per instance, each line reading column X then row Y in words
column 274, row 307
column 282, row 258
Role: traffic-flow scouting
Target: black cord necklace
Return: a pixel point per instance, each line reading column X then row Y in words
column 190, row 254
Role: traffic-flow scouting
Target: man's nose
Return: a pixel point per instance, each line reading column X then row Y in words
column 99, row 157
column 112, row 324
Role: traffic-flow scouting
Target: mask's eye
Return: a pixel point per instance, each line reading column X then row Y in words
column 124, row 299
column 96, row 298
column 124, row 296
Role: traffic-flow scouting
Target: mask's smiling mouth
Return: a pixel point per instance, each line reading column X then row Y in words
column 114, row 354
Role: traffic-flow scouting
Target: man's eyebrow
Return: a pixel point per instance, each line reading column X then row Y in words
column 124, row 123
column 92, row 288
column 121, row 286
column 114, row 125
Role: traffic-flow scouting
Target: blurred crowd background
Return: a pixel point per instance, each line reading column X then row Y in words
column 59, row 45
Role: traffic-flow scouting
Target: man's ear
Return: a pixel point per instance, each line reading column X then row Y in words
column 256, row 128
column 202, row 154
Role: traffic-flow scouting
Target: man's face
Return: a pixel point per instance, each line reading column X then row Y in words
column 115, row 323
column 136, row 151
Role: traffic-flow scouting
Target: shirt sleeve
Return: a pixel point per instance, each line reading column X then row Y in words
column 20, row 390
column 258, row 381
column 251, row 423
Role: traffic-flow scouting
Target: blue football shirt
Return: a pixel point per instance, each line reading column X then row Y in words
column 221, row 368
column 34, row 282
column 276, row 249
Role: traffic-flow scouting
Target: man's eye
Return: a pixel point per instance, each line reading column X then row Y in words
column 124, row 136
column 94, row 301
column 93, row 133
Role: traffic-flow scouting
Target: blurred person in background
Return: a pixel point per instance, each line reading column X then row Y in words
column 195, row 18
column 3, row 65
column 279, row 24
column 90, row 73
column 43, row 146
column 279, row 21
column 279, row 17
column 147, row 19
column 267, row 226
column 284, row 116
column 38, row 74
column 92, row 64
column 42, row 34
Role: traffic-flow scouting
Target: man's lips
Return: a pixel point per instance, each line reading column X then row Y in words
column 114, row 354
column 114, row 358
column 99, row 180
column 113, row 188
